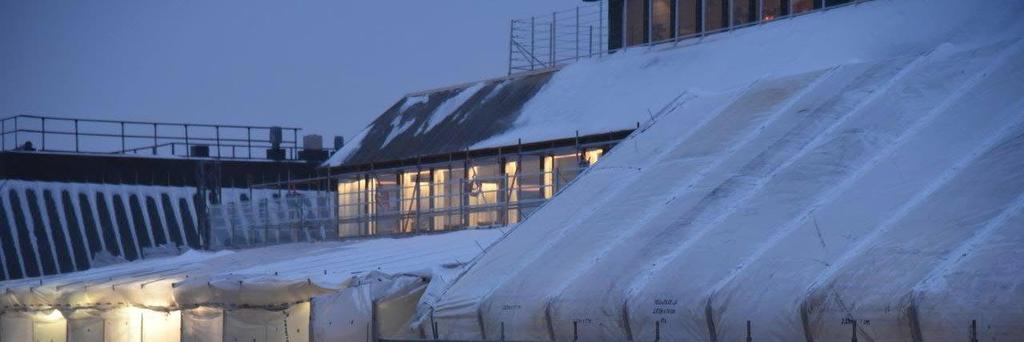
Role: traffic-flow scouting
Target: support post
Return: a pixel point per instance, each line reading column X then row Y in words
column 554, row 38
column 248, row 140
column 188, row 148
column 154, row 139
column 216, row 130
column 600, row 24
column 577, row 33
column 533, row 41
column 511, row 42
column 590, row 42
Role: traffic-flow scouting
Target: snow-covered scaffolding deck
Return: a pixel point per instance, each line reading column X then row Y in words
column 266, row 294
column 859, row 172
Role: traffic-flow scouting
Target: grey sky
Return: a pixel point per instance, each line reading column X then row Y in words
column 326, row 66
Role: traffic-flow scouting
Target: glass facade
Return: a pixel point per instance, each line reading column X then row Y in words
column 464, row 194
column 647, row 21
column 661, row 20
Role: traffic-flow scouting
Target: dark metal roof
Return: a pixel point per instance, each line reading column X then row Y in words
column 404, row 131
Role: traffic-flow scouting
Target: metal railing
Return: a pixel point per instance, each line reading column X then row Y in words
column 295, row 216
column 77, row 135
column 543, row 42
column 551, row 41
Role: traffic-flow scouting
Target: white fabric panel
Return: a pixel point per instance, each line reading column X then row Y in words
column 692, row 160
column 915, row 245
column 122, row 325
column 947, row 317
column 202, row 324
column 161, row 326
column 51, row 327
column 599, row 311
column 85, row 326
column 31, row 327
column 836, row 226
column 348, row 314
column 343, row 316
column 692, row 270
column 291, row 325
column 457, row 316
column 800, row 207
column 16, row 327
column 395, row 314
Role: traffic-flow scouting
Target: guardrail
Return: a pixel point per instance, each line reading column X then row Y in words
column 543, row 42
column 563, row 37
column 78, row 135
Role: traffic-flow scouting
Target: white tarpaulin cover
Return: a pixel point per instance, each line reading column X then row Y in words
column 857, row 170
column 247, row 294
column 347, row 314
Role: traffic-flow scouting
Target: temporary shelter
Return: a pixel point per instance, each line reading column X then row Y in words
column 293, row 292
column 857, row 173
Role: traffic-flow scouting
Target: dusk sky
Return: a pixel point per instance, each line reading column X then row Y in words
column 328, row 67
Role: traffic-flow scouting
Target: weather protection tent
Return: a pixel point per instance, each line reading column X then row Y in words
column 291, row 292
column 858, row 172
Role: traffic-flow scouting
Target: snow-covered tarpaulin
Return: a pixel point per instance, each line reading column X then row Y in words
column 855, row 171
column 267, row 294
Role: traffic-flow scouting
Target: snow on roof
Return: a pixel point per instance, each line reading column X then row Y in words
column 864, row 164
column 442, row 121
column 613, row 93
column 280, row 274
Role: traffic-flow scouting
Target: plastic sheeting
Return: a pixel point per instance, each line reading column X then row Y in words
column 349, row 314
column 882, row 194
column 33, row 327
column 85, row 326
column 202, row 325
column 290, row 325
column 140, row 300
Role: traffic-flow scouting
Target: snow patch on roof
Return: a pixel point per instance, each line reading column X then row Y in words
column 353, row 145
column 398, row 126
column 449, row 106
column 414, row 100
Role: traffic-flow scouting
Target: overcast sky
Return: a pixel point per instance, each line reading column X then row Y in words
column 328, row 67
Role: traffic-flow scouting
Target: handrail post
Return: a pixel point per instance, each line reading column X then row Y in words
column 154, row 139
column 43, row 133
column 295, row 143
column 600, row 25
column 188, row 148
column 554, row 39
column 122, row 138
column 590, row 41
column 3, row 134
column 577, row 33
column 15, row 132
column 533, row 41
column 76, row 136
column 248, row 140
column 216, row 130
column 511, row 40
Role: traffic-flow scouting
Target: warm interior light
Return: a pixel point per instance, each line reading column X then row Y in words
column 49, row 326
column 161, row 326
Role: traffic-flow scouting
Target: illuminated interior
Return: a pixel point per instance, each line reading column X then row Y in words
column 661, row 20
column 646, row 21
column 471, row 193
